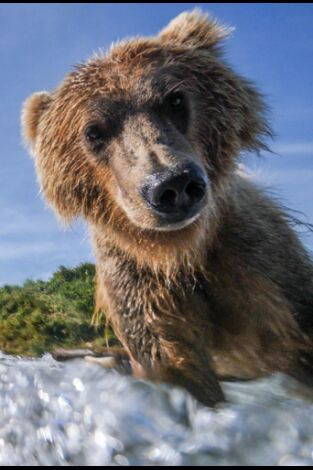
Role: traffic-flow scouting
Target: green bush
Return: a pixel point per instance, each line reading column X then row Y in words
column 39, row 316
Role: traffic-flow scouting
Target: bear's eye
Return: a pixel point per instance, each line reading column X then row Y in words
column 95, row 134
column 175, row 100
column 175, row 107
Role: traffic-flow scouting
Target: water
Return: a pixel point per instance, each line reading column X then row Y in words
column 77, row 413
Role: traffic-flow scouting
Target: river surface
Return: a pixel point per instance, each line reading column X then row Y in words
column 76, row 413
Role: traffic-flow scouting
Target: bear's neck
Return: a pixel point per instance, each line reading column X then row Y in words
column 165, row 254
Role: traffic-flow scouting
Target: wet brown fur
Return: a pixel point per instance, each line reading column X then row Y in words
column 231, row 294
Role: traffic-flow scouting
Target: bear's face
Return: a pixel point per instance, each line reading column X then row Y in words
column 141, row 133
column 146, row 137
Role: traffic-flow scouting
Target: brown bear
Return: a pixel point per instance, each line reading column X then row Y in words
column 198, row 270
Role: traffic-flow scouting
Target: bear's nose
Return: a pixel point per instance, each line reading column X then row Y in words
column 176, row 192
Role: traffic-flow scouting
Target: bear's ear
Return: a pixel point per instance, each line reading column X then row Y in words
column 32, row 112
column 194, row 30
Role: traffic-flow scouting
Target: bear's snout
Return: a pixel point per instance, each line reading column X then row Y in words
column 176, row 194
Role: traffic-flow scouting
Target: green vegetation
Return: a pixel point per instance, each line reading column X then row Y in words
column 40, row 316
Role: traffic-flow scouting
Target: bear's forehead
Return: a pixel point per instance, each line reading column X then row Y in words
column 129, row 68
column 121, row 69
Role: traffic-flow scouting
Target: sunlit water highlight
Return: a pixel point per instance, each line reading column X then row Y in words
column 77, row 413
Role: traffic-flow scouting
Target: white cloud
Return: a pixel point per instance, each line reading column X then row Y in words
column 15, row 221
column 23, row 226
column 294, row 148
column 301, row 177
column 18, row 250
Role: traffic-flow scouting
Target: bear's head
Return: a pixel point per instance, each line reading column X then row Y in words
column 144, row 140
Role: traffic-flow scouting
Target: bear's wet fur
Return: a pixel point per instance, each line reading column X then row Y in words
column 227, row 293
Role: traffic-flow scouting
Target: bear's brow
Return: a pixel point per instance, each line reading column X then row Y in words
column 108, row 106
column 170, row 81
column 147, row 91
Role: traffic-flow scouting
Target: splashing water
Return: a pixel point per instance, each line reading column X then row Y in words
column 77, row 413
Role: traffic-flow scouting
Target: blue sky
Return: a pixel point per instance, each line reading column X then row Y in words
column 39, row 43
